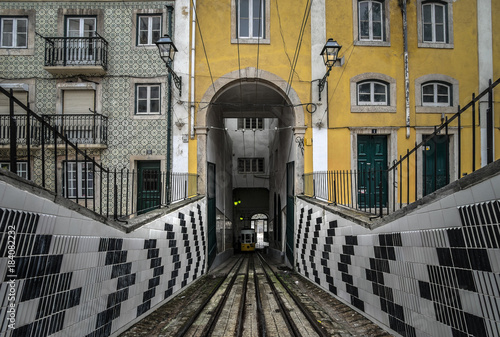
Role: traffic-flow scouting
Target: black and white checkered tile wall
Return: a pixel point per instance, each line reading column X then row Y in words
column 434, row 273
column 77, row 277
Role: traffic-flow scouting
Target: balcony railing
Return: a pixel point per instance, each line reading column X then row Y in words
column 21, row 128
column 81, row 128
column 73, row 51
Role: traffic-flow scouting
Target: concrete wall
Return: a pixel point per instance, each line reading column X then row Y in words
column 434, row 271
column 76, row 276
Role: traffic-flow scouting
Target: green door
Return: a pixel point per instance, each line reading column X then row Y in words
column 148, row 186
column 436, row 172
column 211, row 213
column 290, row 211
column 372, row 170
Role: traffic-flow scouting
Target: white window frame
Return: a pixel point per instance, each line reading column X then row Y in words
column 148, row 99
column 150, row 18
column 22, row 168
column 76, row 184
column 372, row 93
column 251, row 17
column 370, row 108
column 265, row 24
column 420, row 107
column 252, row 163
column 370, row 4
column 256, row 123
column 29, row 15
column 448, row 27
column 386, row 28
column 433, row 22
column 14, row 32
column 435, row 94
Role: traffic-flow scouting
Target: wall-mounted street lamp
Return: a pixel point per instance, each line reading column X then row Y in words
column 330, row 54
column 167, row 51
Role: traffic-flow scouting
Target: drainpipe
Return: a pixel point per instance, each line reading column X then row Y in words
column 402, row 4
column 169, row 114
column 193, row 31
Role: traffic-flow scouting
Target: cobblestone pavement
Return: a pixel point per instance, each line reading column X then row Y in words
column 336, row 317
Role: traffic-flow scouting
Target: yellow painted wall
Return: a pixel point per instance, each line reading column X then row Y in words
column 460, row 63
column 214, row 18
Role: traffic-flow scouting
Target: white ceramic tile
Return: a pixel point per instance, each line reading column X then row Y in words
column 464, row 197
column 13, row 198
column 483, row 191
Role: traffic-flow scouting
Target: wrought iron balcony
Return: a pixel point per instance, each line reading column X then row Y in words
column 21, row 129
column 82, row 129
column 76, row 55
column 85, row 129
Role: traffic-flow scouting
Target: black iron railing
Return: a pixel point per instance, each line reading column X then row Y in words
column 64, row 167
column 364, row 190
column 81, row 128
column 22, row 131
column 76, row 51
column 412, row 177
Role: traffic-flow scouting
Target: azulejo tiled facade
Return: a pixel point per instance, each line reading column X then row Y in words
column 127, row 136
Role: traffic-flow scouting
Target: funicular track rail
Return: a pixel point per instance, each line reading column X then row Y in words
column 252, row 297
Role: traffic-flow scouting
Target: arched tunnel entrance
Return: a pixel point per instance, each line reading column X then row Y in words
column 249, row 150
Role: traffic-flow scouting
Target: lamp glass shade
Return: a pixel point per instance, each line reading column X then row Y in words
column 166, row 48
column 330, row 52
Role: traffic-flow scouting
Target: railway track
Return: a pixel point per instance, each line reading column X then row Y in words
column 248, row 299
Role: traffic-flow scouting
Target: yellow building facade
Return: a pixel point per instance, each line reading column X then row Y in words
column 403, row 69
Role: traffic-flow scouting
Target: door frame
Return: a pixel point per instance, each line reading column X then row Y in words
column 452, row 155
column 138, row 183
column 133, row 160
column 392, row 150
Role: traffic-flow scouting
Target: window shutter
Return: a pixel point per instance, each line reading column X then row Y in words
column 78, row 101
column 4, row 103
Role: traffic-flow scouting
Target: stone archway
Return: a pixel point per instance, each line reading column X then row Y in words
column 264, row 78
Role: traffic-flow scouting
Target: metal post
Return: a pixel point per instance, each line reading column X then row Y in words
column 380, row 194
column 115, row 198
column 408, row 177
column 28, row 140
column 76, row 168
column 55, row 161
column 400, row 183
column 459, row 169
column 473, row 133
column 416, row 171
column 13, row 135
column 43, row 153
column 489, row 124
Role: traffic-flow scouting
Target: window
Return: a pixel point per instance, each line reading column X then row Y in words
column 436, row 94
column 250, row 165
column 14, row 32
column 148, row 29
column 371, row 20
column 434, row 22
column 372, row 93
column 251, row 19
column 17, row 32
column 148, row 99
column 250, row 123
column 79, row 177
column 22, row 168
